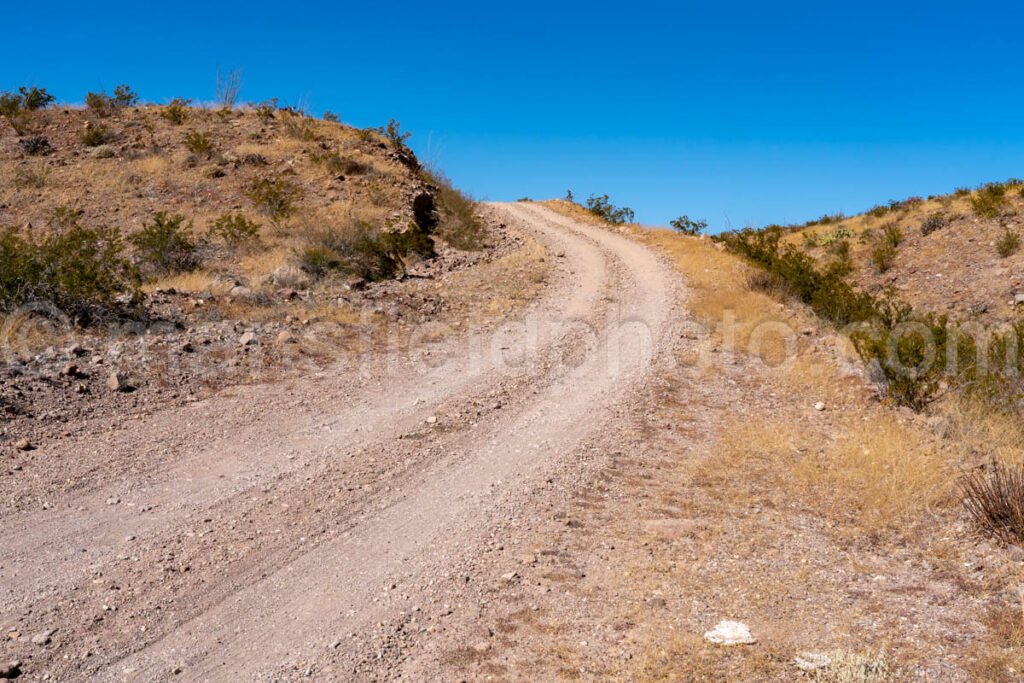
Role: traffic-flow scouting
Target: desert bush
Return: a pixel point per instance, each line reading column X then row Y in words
column 17, row 107
column 358, row 249
column 199, row 143
column 828, row 219
column 96, row 134
column 265, row 109
column 458, row 222
column 124, row 97
column 79, row 270
column 688, row 226
column 176, row 111
column 602, row 207
column 274, row 197
column 166, row 245
column 299, row 127
column 1008, row 243
column 891, row 234
column 810, row 240
column 961, row 192
column 990, row 200
column 994, row 499
column 883, row 255
column 394, row 134
column 331, row 117
column 235, row 230
column 35, row 145
column 932, row 223
column 99, row 104
column 878, row 210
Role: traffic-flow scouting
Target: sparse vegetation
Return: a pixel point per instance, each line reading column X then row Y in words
column 331, row 117
column 176, row 111
column 235, row 230
column 96, row 134
column 602, row 207
column 79, row 270
column 274, row 197
column 102, row 104
column 394, row 134
column 18, row 108
column 339, row 165
column 357, row 248
column 299, row 127
column 688, row 226
column 265, row 109
column 31, row 176
column 883, row 255
column 1008, row 243
column 199, row 143
column 990, row 200
column 165, row 245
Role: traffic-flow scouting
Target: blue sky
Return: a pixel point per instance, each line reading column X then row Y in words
column 741, row 113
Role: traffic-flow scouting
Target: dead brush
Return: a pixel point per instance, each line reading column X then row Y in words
column 994, row 498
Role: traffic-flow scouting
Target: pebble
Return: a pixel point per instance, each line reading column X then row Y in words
column 42, row 638
column 819, row 406
column 23, row 445
column 247, row 339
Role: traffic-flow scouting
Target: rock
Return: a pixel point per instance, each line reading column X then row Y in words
column 1015, row 553
column 730, row 633
column 510, row 577
column 287, row 293
column 432, row 420
column 240, row 291
column 77, row 350
column 819, row 406
column 187, row 347
column 247, row 339
column 117, row 382
column 1018, row 299
column 355, row 283
column 70, row 370
column 24, row 445
column 482, row 647
column 528, row 558
column 812, row 661
column 10, row 670
column 286, row 337
column 42, row 638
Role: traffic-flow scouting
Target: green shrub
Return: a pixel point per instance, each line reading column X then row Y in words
column 176, row 111
column 235, row 230
column 961, row 192
column 358, row 249
column 79, row 270
column 838, row 234
column 883, row 255
column 96, row 134
column 34, row 98
column 892, row 235
column 274, row 197
column 810, row 240
column 990, row 200
column 602, row 207
column 199, row 143
column 124, row 97
column 393, row 133
column 17, row 108
column 688, row 226
column 331, row 117
column 1008, row 243
column 878, row 211
column 166, row 245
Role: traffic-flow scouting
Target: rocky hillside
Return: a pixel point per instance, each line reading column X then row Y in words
column 179, row 249
column 957, row 254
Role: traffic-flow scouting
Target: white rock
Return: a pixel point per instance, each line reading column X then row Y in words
column 247, row 339
column 730, row 633
column 819, row 406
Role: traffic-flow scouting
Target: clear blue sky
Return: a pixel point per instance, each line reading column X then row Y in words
column 746, row 112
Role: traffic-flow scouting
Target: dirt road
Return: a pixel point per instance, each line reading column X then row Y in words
column 319, row 526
